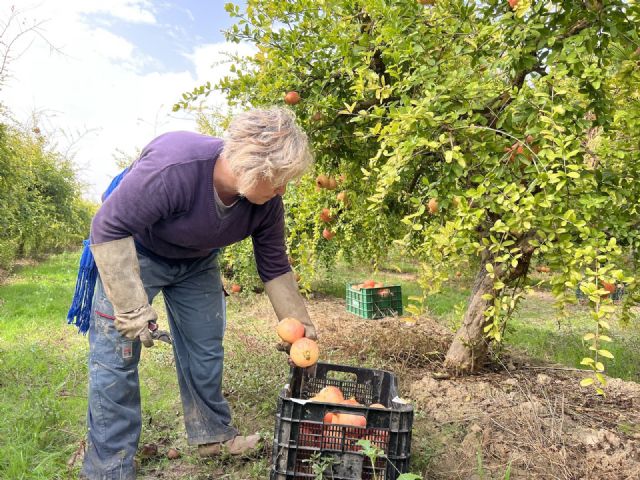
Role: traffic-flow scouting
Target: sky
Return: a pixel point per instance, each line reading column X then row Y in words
column 100, row 77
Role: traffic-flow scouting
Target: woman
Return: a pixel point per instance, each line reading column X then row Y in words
column 160, row 230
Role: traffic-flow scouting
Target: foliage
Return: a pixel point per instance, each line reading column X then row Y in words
column 373, row 453
column 40, row 198
column 320, row 464
column 521, row 122
column 238, row 265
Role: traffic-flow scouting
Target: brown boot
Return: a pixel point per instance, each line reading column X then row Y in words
column 239, row 445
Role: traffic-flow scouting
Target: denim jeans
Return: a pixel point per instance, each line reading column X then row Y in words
column 195, row 305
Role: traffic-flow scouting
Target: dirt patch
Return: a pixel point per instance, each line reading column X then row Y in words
column 537, row 422
column 519, row 416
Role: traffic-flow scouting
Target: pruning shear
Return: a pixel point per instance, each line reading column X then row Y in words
column 160, row 335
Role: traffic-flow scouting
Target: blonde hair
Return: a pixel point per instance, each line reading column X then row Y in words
column 266, row 144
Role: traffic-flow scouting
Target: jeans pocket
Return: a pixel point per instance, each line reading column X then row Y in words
column 110, row 346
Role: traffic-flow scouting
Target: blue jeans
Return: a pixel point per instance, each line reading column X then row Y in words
column 195, row 305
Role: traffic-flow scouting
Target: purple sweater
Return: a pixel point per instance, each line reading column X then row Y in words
column 167, row 203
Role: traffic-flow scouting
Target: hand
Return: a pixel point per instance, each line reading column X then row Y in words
column 310, row 331
column 135, row 325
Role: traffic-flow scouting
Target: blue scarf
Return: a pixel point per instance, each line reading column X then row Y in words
column 80, row 310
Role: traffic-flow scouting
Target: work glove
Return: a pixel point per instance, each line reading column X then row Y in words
column 117, row 263
column 286, row 300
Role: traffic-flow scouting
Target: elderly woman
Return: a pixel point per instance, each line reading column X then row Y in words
column 187, row 196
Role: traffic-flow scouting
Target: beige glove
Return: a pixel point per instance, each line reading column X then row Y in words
column 119, row 270
column 287, row 302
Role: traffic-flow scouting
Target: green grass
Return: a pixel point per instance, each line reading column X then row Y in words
column 42, row 371
column 541, row 332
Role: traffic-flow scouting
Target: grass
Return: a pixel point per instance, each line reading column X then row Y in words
column 43, row 371
column 43, row 382
column 539, row 331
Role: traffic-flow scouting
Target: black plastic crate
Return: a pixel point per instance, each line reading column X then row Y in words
column 374, row 302
column 301, row 435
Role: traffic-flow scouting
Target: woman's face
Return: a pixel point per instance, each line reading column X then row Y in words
column 262, row 191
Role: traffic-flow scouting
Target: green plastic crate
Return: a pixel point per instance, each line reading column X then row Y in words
column 375, row 302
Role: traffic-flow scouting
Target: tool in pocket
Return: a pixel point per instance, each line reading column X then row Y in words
column 156, row 333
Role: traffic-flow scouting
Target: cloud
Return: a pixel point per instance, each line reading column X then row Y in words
column 86, row 87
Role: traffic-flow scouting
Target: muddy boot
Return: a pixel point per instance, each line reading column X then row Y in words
column 237, row 446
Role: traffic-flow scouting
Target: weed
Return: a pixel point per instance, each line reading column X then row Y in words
column 373, row 453
column 320, row 465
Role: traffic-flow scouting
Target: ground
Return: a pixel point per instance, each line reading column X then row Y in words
column 518, row 416
column 517, row 419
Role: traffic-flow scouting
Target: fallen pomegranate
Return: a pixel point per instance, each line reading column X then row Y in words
column 172, row 454
column 322, row 181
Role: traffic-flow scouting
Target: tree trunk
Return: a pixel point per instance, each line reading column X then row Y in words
column 468, row 350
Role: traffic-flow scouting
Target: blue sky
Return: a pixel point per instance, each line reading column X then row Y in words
column 179, row 26
column 100, row 77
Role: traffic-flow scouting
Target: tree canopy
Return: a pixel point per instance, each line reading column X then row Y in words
column 495, row 134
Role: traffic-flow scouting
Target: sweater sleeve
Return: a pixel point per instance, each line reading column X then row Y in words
column 138, row 202
column 269, row 245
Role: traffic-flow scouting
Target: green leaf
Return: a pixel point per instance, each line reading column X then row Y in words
column 605, row 353
column 585, row 382
column 448, row 156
